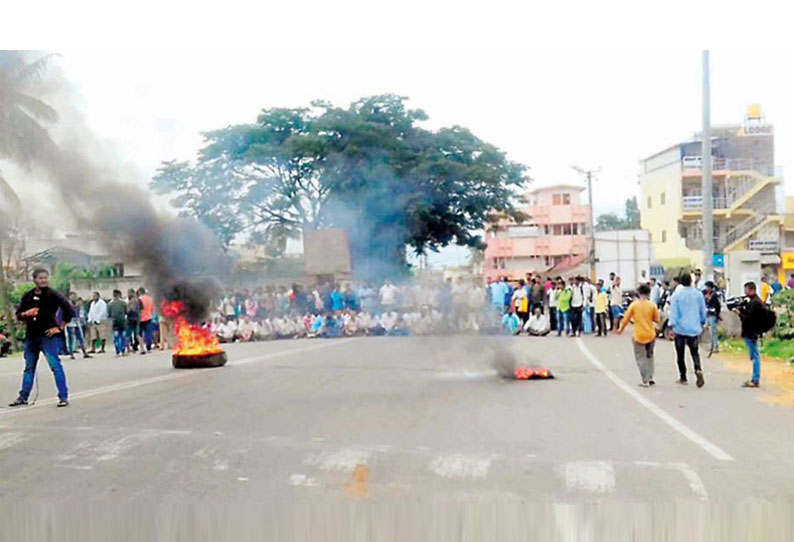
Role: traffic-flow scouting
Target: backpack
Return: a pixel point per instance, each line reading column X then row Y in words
column 767, row 320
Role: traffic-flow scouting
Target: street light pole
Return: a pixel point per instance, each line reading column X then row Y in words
column 708, row 208
column 591, row 257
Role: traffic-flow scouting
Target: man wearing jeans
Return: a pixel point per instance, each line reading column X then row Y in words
column 687, row 316
column 750, row 314
column 37, row 309
column 147, row 313
column 713, row 305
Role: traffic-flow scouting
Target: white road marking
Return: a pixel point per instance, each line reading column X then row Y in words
column 709, row 447
column 465, row 375
column 460, row 466
column 694, row 481
column 345, row 460
column 76, row 467
column 299, row 479
column 589, row 476
column 166, row 377
column 10, row 439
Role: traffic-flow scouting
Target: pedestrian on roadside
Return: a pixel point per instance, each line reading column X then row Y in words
column 615, row 302
column 117, row 313
column 601, row 308
column 74, row 328
column 645, row 314
column 577, row 305
column 37, row 309
column 552, row 296
column 656, row 292
column 766, row 290
column 537, row 293
column 147, row 313
column 97, row 323
column 521, row 302
column 511, row 322
column 687, row 317
column 713, row 307
column 538, row 324
column 752, row 313
column 133, row 320
column 563, row 308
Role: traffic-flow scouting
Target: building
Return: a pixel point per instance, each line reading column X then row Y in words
column 747, row 195
column 553, row 238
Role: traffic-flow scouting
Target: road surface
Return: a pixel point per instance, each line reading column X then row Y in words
column 393, row 421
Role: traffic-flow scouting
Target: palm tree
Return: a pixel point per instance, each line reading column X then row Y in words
column 22, row 140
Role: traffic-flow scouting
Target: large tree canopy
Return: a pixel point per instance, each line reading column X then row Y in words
column 369, row 168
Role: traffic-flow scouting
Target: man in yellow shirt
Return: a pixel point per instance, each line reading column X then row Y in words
column 766, row 289
column 646, row 315
column 601, row 308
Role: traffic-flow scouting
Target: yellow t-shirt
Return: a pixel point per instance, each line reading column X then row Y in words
column 765, row 290
column 645, row 313
column 601, row 302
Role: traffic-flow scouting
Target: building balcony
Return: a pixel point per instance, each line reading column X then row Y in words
column 692, row 166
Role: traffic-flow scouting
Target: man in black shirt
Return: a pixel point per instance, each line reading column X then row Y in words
column 751, row 314
column 713, row 307
column 37, row 309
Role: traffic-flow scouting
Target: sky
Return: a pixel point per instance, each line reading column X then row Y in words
column 547, row 111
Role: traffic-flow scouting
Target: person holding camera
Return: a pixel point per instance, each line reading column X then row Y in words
column 755, row 322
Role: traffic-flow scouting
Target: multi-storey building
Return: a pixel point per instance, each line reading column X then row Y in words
column 747, row 195
column 554, row 236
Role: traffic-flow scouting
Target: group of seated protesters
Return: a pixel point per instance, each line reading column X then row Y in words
column 350, row 323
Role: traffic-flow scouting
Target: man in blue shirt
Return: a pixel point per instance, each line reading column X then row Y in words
column 687, row 316
column 498, row 294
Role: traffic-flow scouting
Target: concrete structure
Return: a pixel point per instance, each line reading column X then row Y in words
column 747, row 195
column 553, row 237
column 627, row 253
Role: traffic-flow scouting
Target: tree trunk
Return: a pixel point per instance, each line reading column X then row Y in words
column 5, row 299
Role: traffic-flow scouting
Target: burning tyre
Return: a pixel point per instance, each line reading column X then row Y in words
column 195, row 347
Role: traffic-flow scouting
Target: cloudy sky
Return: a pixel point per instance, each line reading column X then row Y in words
column 548, row 111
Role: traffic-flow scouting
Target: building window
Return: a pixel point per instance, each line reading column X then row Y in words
column 566, row 229
column 649, row 202
column 566, row 199
column 661, row 199
column 546, row 229
column 556, row 199
column 557, row 229
column 496, row 263
column 664, row 236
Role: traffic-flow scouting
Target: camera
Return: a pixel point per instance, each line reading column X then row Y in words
column 735, row 302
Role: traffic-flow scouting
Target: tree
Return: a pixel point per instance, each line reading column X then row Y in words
column 632, row 221
column 369, row 168
column 612, row 222
column 21, row 132
column 609, row 222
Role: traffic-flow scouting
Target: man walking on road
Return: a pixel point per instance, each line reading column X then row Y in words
column 37, row 309
column 687, row 316
column 117, row 313
column 646, row 315
column 713, row 307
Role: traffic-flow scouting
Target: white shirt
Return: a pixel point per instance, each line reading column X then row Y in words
column 589, row 294
column 388, row 294
column 245, row 329
column 98, row 311
column 577, row 295
column 553, row 298
column 226, row 330
column 388, row 319
column 616, row 295
column 656, row 293
column 537, row 323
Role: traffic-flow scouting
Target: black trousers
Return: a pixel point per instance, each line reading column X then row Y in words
column 681, row 342
column 576, row 320
column 601, row 323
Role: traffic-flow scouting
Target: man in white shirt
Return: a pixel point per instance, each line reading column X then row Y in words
column 577, row 305
column 227, row 331
column 388, row 296
column 616, row 303
column 538, row 324
column 656, row 292
column 388, row 320
column 589, row 300
column 553, row 308
column 98, row 325
column 245, row 331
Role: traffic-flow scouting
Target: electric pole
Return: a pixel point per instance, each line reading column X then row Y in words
column 708, row 207
column 591, row 256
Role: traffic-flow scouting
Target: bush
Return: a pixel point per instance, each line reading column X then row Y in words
column 783, row 301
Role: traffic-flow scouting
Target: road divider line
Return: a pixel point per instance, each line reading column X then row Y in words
column 709, row 447
column 182, row 373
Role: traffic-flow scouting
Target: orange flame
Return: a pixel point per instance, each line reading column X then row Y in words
column 528, row 373
column 191, row 339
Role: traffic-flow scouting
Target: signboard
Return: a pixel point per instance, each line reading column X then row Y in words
column 764, row 246
column 718, row 260
column 787, row 260
column 756, row 129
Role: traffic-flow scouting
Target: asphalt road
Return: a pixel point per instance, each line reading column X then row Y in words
column 397, row 422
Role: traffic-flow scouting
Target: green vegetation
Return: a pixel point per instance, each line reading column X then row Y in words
column 771, row 348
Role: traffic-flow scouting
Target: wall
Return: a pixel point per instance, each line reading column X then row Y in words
column 658, row 218
column 627, row 253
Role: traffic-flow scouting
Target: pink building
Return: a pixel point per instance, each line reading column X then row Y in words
column 552, row 239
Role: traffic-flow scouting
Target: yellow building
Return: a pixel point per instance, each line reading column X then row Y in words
column 747, row 196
